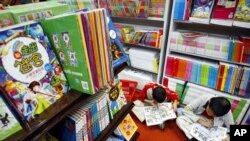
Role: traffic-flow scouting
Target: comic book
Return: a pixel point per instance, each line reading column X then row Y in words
column 202, row 133
column 29, row 70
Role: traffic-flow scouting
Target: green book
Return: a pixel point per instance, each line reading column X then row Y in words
column 65, row 35
column 36, row 11
column 8, row 123
column 6, row 18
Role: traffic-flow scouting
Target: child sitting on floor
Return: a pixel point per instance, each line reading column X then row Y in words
column 154, row 93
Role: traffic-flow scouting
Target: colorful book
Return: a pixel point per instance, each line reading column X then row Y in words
column 71, row 50
column 36, row 11
column 127, row 127
column 242, row 11
column 29, row 70
column 9, row 125
column 6, row 18
column 224, row 9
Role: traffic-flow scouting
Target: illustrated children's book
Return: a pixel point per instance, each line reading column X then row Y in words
column 155, row 115
column 119, row 56
column 116, row 98
column 201, row 11
column 127, row 127
column 202, row 133
column 29, row 70
column 8, row 123
column 242, row 12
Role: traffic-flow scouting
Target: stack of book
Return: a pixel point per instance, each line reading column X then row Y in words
column 82, row 47
column 36, row 11
column 87, row 122
column 197, row 71
column 144, row 59
column 139, row 76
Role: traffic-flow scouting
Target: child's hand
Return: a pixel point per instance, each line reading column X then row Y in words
column 206, row 122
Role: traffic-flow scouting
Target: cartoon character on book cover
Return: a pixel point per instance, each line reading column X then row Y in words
column 202, row 8
column 8, row 123
column 243, row 11
column 29, row 71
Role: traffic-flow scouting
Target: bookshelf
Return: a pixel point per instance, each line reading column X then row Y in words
column 220, row 30
column 149, row 22
column 59, row 110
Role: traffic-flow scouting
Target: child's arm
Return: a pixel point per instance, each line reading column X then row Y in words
column 150, row 102
column 175, row 104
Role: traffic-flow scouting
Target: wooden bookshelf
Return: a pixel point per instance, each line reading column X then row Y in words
column 59, row 110
column 50, row 117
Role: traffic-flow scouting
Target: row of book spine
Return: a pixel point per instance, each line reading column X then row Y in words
column 235, row 50
column 87, row 46
column 218, row 76
column 86, row 122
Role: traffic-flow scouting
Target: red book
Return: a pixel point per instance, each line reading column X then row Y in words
column 224, row 9
column 220, row 76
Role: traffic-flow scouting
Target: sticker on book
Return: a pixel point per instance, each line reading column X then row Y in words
column 85, row 85
column 25, row 59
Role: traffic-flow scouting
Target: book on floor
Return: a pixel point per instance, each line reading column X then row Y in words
column 159, row 113
column 202, row 133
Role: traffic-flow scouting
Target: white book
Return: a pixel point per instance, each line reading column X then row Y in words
column 156, row 115
column 202, row 133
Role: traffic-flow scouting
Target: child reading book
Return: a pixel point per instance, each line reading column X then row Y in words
column 154, row 93
column 208, row 112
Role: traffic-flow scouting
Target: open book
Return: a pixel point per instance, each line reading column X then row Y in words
column 202, row 133
column 158, row 114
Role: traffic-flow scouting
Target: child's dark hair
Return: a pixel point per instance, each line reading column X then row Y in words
column 220, row 106
column 159, row 94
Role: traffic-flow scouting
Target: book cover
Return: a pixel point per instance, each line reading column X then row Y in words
column 36, row 11
column 127, row 127
column 68, row 45
column 29, row 70
column 9, row 125
column 116, row 98
column 224, row 9
column 242, row 11
column 119, row 56
column 156, row 115
column 6, row 18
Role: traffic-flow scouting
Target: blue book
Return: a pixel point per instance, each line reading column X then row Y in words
column 229, row 78
column 116, row 42
column 230, row 50
column 179, row 9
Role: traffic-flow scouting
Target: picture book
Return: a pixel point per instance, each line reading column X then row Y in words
column 159, row 113
column 202, row 133
column 35, row 11
column 68, row 45
column 127, row 127
column 201, row 11
column 224, row 9
column 9, row 125
column 118, row 53
column 29, row 70
column 242, row 12
column 6, row 18
column 116, row 98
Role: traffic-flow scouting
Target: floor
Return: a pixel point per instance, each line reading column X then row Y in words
column 154, row 133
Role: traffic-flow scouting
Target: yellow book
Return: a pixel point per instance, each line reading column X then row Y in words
column 85, row 50
column 101, row 45
column 127, row 127
column 92, row 21
column 224, row 78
